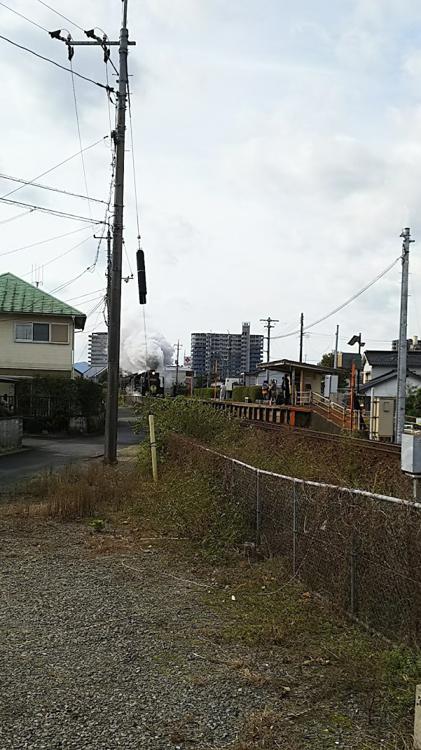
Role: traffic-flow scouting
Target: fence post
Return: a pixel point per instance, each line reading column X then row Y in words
column 153, row 447
column 354, row 574
column 258, row 509
column 294, row 528
column 417, row 719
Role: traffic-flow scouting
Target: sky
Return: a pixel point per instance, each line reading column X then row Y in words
column 277, row 151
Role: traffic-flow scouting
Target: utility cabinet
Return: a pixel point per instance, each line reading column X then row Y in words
column 411, row 452
column 382, row 418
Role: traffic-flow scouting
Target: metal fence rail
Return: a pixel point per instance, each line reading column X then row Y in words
column 361, row 550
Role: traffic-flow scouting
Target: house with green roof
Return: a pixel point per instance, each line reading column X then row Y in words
column 37, row 331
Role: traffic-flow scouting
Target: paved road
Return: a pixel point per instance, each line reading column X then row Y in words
column 46, row 453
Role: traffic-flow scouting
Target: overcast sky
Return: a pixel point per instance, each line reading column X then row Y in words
column 277, row 151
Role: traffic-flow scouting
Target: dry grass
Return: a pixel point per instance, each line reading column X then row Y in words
column 78, row 492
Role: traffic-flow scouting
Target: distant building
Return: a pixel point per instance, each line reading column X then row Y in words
column 413, row 345
column 98, row 349
column 227, row 354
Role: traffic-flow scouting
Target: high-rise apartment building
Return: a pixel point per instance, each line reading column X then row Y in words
column 98, row 348
column 228, row 354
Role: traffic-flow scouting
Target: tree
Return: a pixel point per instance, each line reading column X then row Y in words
column 413, row 402
column 327, row 360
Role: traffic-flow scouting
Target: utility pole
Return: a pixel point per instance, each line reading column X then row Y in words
column 114, row 323
column 268, row 326
column 403, row 347
column 335, row 355
column 177, row 366
column 114, row 281
column 301, row 336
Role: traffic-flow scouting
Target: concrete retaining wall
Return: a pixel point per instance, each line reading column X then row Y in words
column 11, row 433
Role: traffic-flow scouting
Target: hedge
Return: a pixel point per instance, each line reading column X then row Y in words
column 252, row 392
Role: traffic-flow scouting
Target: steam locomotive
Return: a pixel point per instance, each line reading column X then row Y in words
column 147, row 384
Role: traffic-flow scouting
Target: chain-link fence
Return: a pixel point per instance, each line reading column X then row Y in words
column 361, row 550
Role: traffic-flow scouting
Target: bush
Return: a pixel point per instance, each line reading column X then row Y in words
column 205, row 393
column 48, row 403
column 252, row 392
column 187, row 417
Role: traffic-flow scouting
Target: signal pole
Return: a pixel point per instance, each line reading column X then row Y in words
column 403, row 347
column 301, row 336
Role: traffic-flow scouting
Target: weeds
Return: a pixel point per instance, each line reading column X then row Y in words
column 346, row 464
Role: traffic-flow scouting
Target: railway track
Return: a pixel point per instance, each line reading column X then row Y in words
column 391, row 449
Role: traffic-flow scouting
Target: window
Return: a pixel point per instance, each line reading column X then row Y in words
column 59, row 333
column 23, row 332
column 42, row 333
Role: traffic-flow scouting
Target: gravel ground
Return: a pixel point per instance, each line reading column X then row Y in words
column 99, row 648
column 103, row 646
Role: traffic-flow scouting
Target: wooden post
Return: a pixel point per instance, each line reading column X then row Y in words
column 417, row 719
column 153, row 447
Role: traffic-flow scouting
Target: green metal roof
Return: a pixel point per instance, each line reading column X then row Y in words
column 19, row 297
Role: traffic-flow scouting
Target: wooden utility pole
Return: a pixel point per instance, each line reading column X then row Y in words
column 301, row 336
column 114, row 279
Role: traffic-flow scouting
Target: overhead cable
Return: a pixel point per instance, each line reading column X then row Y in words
column 31, row 183
column 41, row 2
column 16, row 12
column 18, row 216
column 85, row 179
column 52, row 211
column 42, row 242
column 70, row 281
column 344, row 304
column 61, row 255
column 56, row 64
column 56, row 166
column 88, row 294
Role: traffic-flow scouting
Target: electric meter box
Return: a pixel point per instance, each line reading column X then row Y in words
column 411, row 452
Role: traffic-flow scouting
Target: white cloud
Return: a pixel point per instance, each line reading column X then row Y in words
column 278, row 156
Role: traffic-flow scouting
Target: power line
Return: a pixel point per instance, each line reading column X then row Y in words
column 61, row 255
column 88, row 294
column 71, row 281
column 56, row 166
column 80, row 137
column 129, row 98
column 56, row 64
column 18, row 216
column 52, row 211
column 344, row 304
column 16, row 12
column 41, row 242
column 31, row 183
column 41, row 2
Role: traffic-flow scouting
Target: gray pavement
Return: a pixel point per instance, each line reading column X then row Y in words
column 43, row 454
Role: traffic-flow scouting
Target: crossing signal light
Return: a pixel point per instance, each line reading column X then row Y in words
column 141, row 276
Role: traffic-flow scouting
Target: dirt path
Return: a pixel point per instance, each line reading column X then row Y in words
column 108, row 644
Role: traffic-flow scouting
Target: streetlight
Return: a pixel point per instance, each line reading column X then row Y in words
column 352, row 341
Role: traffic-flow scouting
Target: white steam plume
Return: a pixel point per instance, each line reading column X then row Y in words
column 133, row 355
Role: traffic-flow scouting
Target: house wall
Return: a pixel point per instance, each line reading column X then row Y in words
column 389, row 388
column 20, row 358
